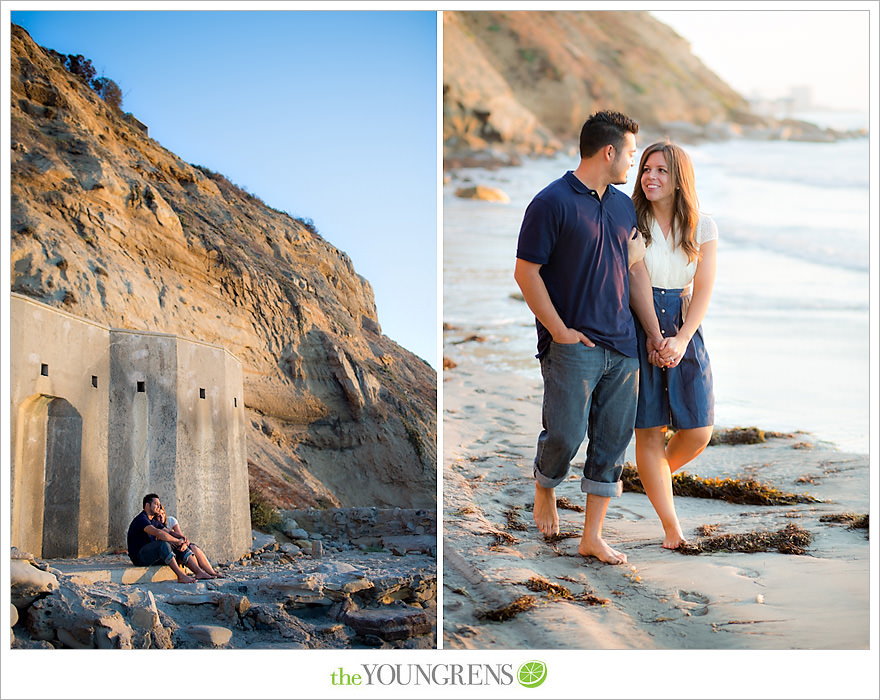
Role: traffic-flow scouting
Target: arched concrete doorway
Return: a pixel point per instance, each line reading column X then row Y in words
column 48, row 465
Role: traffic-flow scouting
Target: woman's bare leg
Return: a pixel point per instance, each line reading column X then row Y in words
column 656, row 477
column 192, row 563
column 203, row 560
column 686, row 445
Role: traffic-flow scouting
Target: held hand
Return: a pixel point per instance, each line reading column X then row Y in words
column 673, row 350
column 654, row 345
column 570, row 336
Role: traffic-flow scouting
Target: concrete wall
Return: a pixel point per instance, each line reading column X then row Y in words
column 103, row 416
column 56, row 359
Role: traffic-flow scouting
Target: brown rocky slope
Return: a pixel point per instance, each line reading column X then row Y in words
column 108, row 225
column 525, row 81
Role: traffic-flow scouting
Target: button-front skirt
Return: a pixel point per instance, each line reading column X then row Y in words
column 682, row 396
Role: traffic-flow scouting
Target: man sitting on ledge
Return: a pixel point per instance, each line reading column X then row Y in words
column 149, row 545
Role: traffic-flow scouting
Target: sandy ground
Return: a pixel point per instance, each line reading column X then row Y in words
column 661, row 599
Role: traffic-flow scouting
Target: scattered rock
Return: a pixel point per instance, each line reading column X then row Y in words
column 261, row 539
column 272, row 597
column 391, row 622
column 482, row 192
column 470, row 339
column 77, row 621
column 28, row 583
column 404, row 544
column 212, row 635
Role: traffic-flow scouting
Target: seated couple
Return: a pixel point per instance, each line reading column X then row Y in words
column 155, row 538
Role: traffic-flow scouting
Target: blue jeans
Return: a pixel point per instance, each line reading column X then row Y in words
column 153, row 553
column 592, row 392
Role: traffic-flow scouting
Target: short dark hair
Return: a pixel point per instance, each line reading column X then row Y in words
column 603, row 129
column 149, row 497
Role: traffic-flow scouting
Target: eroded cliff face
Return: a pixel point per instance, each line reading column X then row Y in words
column 107, row 224
column 525, row 81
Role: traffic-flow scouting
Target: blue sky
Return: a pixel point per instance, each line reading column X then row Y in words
column 327, row 115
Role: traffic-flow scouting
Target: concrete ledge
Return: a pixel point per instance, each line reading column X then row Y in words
column 120, row 574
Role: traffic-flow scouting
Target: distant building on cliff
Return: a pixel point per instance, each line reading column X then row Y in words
column 103, row 416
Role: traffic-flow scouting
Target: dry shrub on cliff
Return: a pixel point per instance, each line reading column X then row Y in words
column 263, row 516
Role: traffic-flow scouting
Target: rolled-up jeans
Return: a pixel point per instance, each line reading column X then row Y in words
column 588, row 392
column 153, row 553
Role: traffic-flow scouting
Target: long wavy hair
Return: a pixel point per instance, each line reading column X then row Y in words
column 685, row 206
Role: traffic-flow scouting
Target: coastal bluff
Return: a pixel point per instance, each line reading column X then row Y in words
column 521, row 83
column 110, row 227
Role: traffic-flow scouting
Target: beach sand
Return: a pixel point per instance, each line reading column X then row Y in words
column 660, row 599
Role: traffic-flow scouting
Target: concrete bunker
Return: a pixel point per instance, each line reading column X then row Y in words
column 102, row 416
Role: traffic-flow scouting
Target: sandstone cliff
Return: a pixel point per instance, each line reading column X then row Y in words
column 525, row 81
column 108, row 225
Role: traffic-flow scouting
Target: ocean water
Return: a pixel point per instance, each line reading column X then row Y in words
column 788, row 326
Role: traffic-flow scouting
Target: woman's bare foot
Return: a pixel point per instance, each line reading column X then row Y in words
column 674, row 539
column 185, row 579
column 202, row 576
column 600, row 549
column 546, row 517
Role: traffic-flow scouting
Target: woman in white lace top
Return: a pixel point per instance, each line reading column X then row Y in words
column 675, row 377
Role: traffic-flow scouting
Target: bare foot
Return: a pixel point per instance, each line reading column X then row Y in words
column 546, row 517
column 600, row 549
column 203, row 576
column 673, row 540
column 185, row 579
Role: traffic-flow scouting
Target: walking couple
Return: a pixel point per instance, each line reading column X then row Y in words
column 589, row 259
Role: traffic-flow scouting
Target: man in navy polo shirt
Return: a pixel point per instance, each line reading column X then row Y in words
column 573, row 269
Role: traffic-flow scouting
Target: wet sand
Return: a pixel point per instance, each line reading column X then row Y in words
column 660, row 599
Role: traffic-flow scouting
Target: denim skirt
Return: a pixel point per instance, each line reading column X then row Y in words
column 679, row 397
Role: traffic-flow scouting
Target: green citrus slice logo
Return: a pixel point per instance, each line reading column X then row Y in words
column 531, row 674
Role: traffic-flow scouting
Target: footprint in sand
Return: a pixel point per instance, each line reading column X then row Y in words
column 749, row 573
column 699, row 602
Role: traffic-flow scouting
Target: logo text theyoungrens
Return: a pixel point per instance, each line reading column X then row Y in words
column 426, row 674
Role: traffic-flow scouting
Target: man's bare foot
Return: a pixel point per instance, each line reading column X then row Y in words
column 602, row 552
column 546, row 517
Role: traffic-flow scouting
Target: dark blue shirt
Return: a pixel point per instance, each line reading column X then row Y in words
column 137, row 538
column 580, row 242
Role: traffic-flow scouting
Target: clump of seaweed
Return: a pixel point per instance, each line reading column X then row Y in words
column 508, row 612
column 563, row 502
column 743, row 491
column 590, row 599
column 554, row 589
column 792, row 539
column 559, row 536
column 707, row 530
column 738, row 436
column 745, row 436
column 513, row 521
column 557, row 591
column 503, row 539
column 854, row 521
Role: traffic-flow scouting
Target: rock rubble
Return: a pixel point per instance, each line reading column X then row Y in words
column 276, row 596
